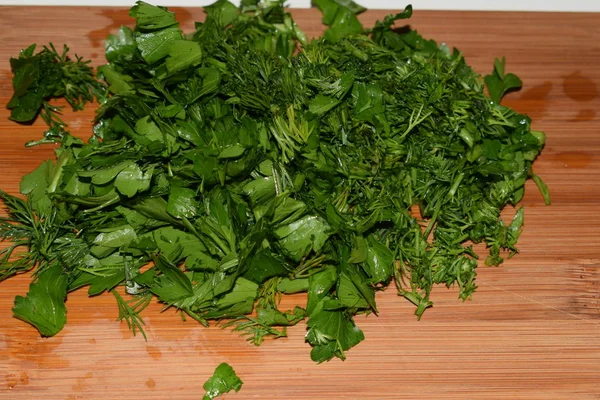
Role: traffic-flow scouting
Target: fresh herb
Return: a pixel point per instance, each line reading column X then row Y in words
column 40, row 77
column 130, row 311
column 243, row 162
column 224, row 380
column 499, row 83
column 44, row 305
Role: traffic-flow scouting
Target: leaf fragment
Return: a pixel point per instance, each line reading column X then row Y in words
column 44, row 305
column 223, row 380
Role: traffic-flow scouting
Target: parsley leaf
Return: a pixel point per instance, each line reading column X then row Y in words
column 40, row 77
column 224, row 380
column 44, row 305
column 499, row 83
column 331, row 332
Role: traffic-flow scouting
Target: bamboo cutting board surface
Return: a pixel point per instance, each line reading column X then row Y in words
column 532, row 330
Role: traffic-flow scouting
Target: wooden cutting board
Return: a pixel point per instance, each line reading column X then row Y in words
column 532, row 331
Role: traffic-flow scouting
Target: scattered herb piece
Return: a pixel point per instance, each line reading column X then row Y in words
column 499, row 83
column 224, row 380
column 44, row 305
column 47, row 75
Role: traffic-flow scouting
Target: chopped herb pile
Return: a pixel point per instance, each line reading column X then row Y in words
column 244, row 161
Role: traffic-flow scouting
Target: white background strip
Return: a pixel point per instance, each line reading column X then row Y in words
column 513, row 5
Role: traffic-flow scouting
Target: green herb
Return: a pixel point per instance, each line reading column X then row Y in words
column 130, row 311
column 227, row 169
column 224, row 380
column 47, row 75
column 44, row 305
column 499, row 83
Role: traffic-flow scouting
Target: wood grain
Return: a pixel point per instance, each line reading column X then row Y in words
column 532, row 331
